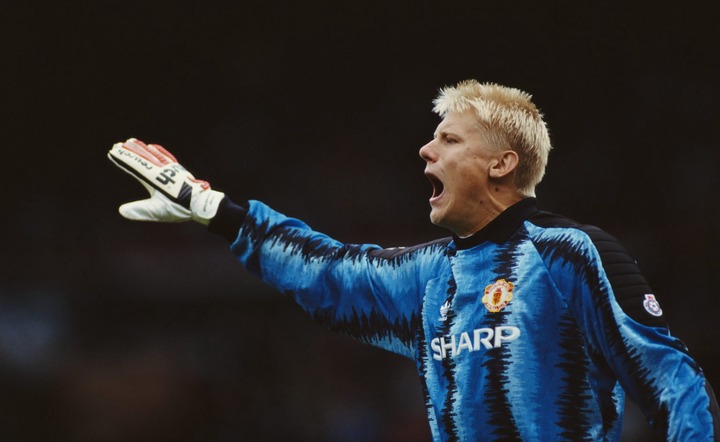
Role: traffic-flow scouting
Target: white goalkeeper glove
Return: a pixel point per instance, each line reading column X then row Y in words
column 175, row 195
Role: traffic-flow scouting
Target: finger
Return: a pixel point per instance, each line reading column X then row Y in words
column 132, row 172
column 143, row 151
column 161, row 150
column 157, row 208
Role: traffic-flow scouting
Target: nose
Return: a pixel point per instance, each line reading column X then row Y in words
column 427, row 152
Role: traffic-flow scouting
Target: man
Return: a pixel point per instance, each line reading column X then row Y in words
column 524, row 325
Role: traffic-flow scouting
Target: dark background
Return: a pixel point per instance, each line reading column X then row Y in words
column 113, row 330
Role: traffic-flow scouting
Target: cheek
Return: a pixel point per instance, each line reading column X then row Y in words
column 471, row 178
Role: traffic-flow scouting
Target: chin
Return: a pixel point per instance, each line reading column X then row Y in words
column 438, row 220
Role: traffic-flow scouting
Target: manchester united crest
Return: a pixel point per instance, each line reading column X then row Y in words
column 498, row 295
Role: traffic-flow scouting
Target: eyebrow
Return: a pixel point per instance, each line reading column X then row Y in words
column 445, row 133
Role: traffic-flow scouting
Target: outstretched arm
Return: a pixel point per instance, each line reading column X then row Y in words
column 367, row 292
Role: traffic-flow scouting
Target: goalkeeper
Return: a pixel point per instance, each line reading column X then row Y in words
column 524, row 325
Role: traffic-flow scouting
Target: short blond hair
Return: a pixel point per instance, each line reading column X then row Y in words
column 511, row 121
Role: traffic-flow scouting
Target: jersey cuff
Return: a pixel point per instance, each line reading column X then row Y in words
column 228, row 220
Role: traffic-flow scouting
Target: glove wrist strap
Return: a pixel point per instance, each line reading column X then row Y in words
column 204, row 205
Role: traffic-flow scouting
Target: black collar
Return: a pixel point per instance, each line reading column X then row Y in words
column 500, row 229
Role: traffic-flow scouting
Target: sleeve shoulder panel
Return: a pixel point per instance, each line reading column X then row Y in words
column 630, row 288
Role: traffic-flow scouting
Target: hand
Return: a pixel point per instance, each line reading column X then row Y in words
column 175, row 195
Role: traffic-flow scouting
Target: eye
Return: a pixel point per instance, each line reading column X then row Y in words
column 451, row 140
column 448, row 138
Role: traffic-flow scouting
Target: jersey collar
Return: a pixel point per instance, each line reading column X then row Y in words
column 500, row 229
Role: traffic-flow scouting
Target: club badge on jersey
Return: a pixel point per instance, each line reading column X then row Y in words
column 652, row 306
column 498, row 295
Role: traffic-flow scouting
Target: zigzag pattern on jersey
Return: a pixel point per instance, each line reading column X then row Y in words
column 574, row 403
column 397, row 256
column 372, row 327
column 422, row 361
column 498, row 361
column 294, row 235
column 573, row 251
column 321, row 247
column 449, row 423
column 254, row 233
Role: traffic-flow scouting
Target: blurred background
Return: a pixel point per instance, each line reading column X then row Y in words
column 116, row 331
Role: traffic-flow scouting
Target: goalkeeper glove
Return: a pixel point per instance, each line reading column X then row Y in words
column 175, row 195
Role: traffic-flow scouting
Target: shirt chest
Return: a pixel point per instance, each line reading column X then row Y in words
column 478, row 303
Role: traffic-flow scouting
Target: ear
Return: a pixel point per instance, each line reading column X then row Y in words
column 504, row 164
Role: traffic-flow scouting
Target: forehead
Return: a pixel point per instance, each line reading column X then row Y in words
column 462, row 123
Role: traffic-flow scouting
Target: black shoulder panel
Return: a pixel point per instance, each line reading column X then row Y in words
column 630, row 287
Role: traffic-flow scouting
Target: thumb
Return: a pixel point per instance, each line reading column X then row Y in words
column 157, row 208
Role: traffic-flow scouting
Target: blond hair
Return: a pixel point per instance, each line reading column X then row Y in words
column 511, row 122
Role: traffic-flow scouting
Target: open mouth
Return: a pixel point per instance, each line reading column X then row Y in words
column 437, row 186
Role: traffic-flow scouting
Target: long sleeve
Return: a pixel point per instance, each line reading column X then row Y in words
column 364, row 291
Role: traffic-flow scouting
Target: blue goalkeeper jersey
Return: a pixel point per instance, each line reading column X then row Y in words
column 532, row 329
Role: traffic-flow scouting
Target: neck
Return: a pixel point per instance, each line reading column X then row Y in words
column 494, row 203
column 502, row 227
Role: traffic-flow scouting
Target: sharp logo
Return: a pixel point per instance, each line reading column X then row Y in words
column 480, row 338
